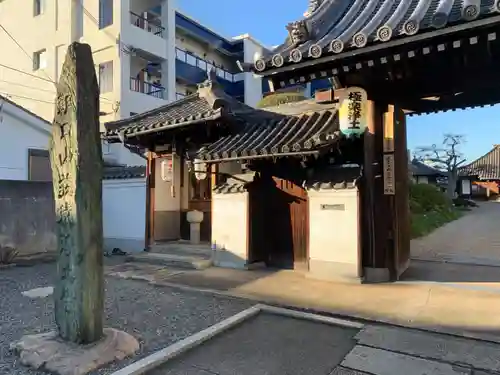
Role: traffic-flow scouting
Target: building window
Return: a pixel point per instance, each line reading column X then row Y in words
column 40, row 59
column 39, row 165
column 38, row 7
column 106, row 77
column 105, row 13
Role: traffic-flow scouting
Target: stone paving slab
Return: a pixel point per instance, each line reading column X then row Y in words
column 339, row 370
column 383, row 362
column 268, row 344
column 477, row 354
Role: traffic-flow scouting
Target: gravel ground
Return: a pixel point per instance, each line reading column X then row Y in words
column 156, row 316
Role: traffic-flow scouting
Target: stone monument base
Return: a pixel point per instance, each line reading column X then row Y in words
column 48, row 352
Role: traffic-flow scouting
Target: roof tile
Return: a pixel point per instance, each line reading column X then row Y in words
column 339, row 25
column 487, row 167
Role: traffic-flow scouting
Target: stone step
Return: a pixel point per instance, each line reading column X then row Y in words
column 183, row 249
column 171, row 260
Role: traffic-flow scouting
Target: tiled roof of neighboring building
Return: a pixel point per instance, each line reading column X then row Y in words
column 188, row 110
column 333, row 26
column 124, row 172
column 487, row 167
column 419, row 168
column 209, row 103
column 7, row 100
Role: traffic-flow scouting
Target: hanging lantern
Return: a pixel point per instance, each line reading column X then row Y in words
column 167, row 169
column 353, row 112
column 200, row 170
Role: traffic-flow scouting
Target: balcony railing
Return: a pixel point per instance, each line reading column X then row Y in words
column 143, row 23
column 204, row 65
column 147, row 88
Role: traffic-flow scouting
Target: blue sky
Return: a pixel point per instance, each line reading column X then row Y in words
column 265, row 20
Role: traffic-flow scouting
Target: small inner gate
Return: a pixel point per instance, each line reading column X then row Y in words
column 279, row 224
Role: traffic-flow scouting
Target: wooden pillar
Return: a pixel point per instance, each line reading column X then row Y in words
column 150, row 199
column 401, row 215
column 376, row 204
column 395, row 148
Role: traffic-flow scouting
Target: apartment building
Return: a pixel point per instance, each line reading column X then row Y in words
column 145, row 53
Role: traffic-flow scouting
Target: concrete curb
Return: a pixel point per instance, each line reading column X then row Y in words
column 162, row 356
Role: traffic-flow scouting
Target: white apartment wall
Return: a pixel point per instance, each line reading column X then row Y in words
column 19, row 132
column 203, row 51
column 60, row 23
column 37, row 95
column 253, row 83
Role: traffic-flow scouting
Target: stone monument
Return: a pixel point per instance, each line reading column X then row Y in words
column 81, row 344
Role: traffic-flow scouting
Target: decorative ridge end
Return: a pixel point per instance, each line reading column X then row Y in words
column 411, row 27
column 471, row 12
column 360, row 40
column 384, row 33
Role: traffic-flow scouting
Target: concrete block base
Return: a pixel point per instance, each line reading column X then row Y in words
column 48, row 352
column 334, row 271
column 376, row 275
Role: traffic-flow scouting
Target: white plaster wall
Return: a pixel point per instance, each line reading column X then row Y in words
column 124, row 214
column 333, row 238
column 19, row 132
column 422, row 180
column 253, row 83
column 230, row 229
column 466, row 187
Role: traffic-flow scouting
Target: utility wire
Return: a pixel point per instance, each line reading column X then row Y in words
column 7, row 95
column 48, row 79
column 22, row 49
column 37, row 77
column 10, row 95
column 28, row 87
column 26, row 73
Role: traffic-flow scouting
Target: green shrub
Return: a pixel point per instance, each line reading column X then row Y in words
column 430, row 209
column 280, row 98
column 427, row 197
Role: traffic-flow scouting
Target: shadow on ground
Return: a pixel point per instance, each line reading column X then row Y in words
column 441, row 272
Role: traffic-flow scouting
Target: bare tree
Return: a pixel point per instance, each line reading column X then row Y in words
column 446, row 158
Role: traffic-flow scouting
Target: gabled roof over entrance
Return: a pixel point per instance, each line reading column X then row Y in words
column 487, row 167
column 331, row 27
column 210, row 103
column 301, row 128
column 304, row 133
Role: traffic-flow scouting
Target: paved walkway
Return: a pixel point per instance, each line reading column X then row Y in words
column 273, row 344
column 449, row 298
column 473, row 239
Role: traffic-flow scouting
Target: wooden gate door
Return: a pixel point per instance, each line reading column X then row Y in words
column 291, row 221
